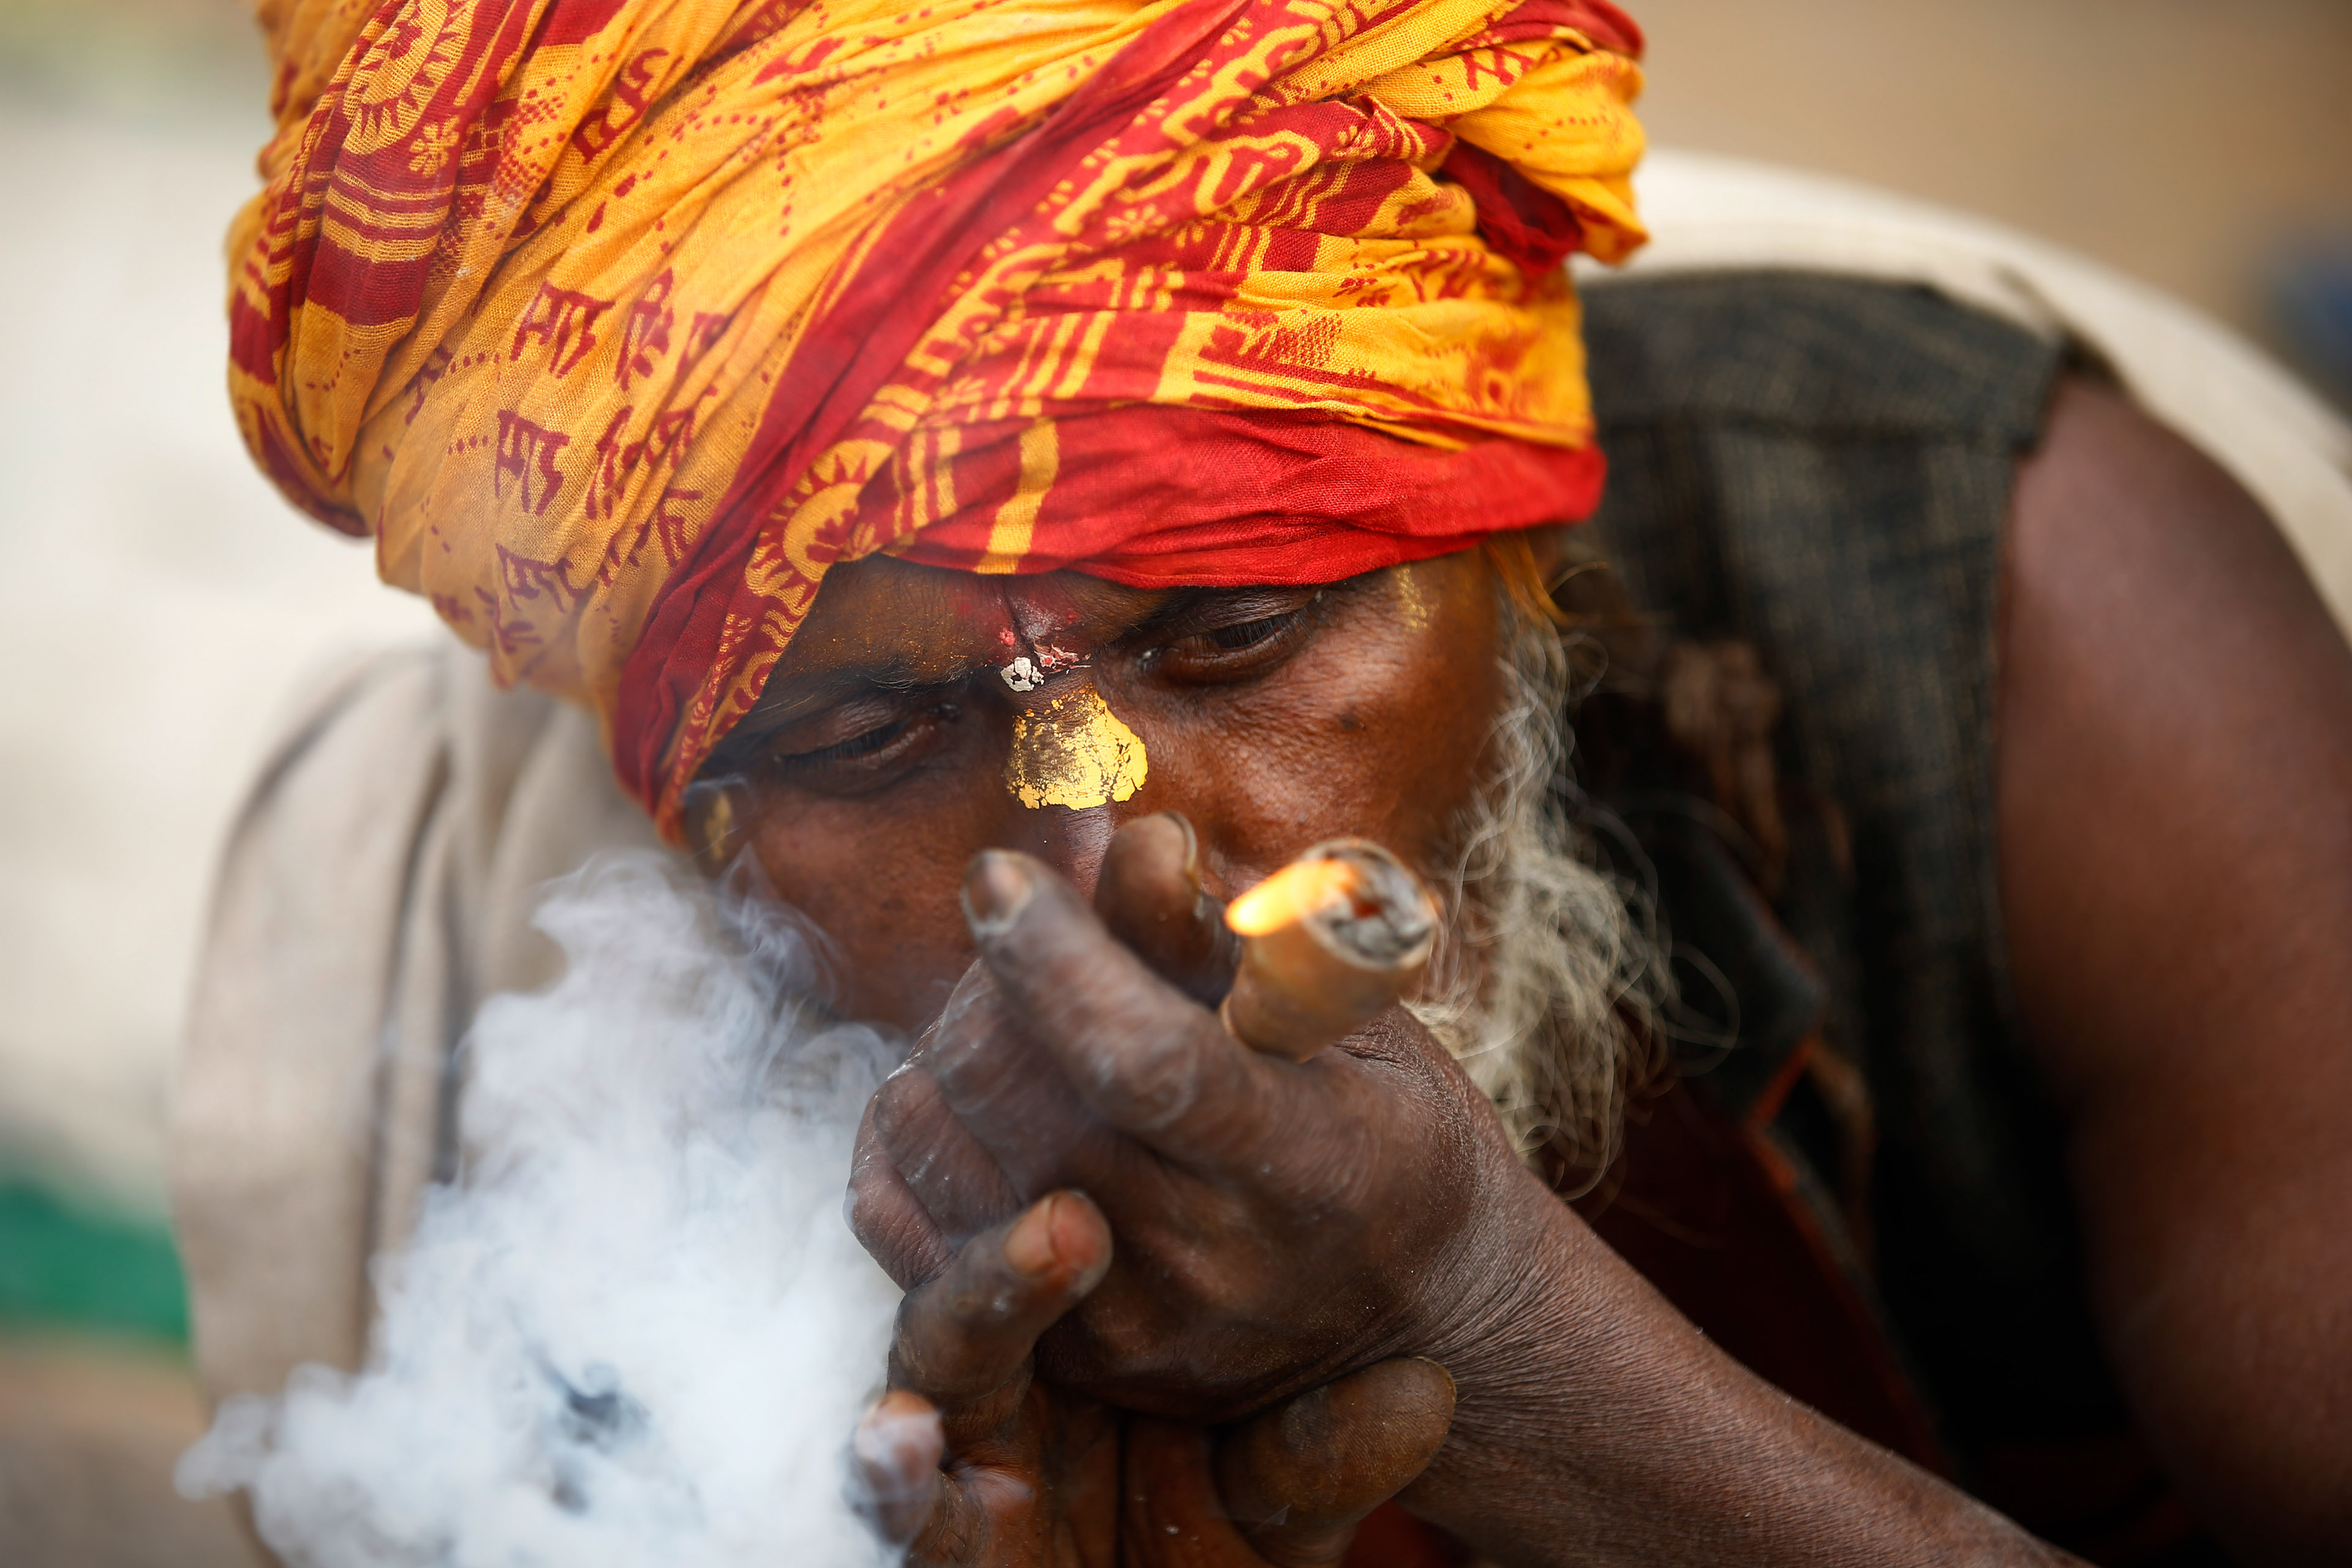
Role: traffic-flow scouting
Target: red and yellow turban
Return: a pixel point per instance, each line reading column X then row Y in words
column 618, row 321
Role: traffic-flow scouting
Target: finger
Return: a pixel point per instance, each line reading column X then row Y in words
column 956, row 1180
column 1152, row 898
column 887, row 1218
column 902, row 1485
column 965, row 1339
column 1299, row 1477
column 895, row 1454
column 1011, row 1095
column 1149, row 1060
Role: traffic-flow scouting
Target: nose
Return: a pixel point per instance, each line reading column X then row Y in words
column 1073, row 774
column 1074, row 842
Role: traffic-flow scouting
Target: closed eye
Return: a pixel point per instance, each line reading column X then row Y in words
column 872, row 741
column 1233, row 635
column 872, row 758
column 1249, row 634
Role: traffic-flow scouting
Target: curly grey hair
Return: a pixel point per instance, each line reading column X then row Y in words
column 1549, row 982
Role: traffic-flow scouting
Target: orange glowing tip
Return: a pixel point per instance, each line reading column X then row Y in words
column 1299, row 889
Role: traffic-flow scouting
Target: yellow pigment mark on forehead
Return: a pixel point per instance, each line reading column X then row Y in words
column 1410, row 601
column 1074, row 752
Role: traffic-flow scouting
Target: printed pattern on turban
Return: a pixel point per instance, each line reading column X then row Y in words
column 616, row 322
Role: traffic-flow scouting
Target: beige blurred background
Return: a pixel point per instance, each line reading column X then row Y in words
column 166, row 603
column 2186, row 143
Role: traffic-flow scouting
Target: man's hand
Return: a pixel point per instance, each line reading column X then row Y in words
column 1279, row 1223
column 971, row 1462
column 967, row 1459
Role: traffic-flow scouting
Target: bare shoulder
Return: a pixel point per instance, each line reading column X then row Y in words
column 2174, row 809
column 2176, row 738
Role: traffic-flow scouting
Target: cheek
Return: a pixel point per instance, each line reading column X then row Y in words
column 882, row 885
column 1380, row 729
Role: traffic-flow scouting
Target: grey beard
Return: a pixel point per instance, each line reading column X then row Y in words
column 1547, row 983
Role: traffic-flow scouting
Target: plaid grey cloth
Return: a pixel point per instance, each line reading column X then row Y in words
column 1821, row 467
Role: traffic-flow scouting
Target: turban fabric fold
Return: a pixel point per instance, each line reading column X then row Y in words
column 616, row 322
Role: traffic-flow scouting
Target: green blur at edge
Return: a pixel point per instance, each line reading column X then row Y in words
column 66, row 1264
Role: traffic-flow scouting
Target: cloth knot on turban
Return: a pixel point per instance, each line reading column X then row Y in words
column 616, row 322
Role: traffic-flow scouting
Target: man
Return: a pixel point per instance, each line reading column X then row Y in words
column 934, row 445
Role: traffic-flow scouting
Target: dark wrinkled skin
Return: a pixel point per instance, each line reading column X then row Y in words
column 1343, row 720
column 1273, row 1260
column 2176, row 748
column 970, row 1459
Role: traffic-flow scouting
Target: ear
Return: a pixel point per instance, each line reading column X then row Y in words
column 1552, row 548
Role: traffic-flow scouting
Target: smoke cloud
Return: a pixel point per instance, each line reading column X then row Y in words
column 637, row 1330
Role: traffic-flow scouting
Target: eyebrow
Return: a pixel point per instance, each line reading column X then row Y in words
column 814, row 693
column 899, row 676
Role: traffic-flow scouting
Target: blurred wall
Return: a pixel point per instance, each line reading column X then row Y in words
column 164, row 602
column 162, row 606
column 2196, row 146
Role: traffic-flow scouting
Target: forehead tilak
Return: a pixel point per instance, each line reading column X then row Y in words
column 913, row 628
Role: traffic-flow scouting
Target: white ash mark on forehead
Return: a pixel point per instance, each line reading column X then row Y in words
column 1022, row 674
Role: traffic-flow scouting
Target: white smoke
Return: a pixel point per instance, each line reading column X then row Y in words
column 637, row 1330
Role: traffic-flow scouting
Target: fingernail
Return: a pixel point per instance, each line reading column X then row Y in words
column 995, row 890
column 1077, row 1225
column 1029, row 1249
column 1191, row 847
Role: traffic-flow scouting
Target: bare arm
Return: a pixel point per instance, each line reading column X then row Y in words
column 2176, row 817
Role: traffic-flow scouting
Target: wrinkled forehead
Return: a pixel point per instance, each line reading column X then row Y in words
column 883, row 622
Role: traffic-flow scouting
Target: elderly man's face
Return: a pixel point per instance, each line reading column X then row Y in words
column 921, row 715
